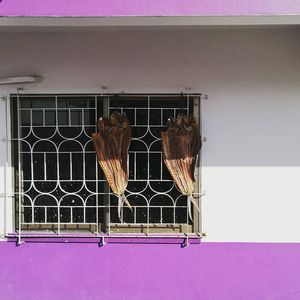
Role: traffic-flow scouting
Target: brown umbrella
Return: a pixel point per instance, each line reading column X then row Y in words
column 181, row 145
column 111, row 144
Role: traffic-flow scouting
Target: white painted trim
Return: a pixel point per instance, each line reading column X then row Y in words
column 6, row 195
column 75, row 22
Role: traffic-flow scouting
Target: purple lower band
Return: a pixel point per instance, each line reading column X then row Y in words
column 107, row 8
column 216, row 271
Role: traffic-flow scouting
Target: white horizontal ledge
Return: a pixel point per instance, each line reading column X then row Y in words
column 75, row 22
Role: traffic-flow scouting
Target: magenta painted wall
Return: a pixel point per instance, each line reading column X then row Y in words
column 225, row 271
column 148, row 7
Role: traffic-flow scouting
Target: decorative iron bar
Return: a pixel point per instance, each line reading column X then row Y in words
column 59, row 185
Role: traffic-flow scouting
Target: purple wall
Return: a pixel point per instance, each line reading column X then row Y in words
column 148, row 7
column 224, row 271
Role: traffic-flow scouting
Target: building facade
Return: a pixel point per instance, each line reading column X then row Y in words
column 235, row 65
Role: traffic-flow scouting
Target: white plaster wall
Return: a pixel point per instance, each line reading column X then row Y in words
column 2, row 169
column 251, row 161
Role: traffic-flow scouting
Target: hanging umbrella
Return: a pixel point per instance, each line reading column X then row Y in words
column 181, row 145
column 111, row 144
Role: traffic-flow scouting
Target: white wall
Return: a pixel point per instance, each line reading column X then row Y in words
column 251, row 160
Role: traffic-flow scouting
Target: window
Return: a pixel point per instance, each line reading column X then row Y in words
column 58, row 183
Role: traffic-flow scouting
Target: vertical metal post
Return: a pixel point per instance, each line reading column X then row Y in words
column 57, row 164
column 19, row 242
column 6, row 163
column 97, row 193
column 148, row 159
column 5, row 198
column 106, row 195
column 197, row 215
column 187, row 204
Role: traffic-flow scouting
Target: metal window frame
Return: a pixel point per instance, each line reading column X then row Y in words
column 196, row 227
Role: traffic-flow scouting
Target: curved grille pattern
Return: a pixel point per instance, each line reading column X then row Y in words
column 59, row 184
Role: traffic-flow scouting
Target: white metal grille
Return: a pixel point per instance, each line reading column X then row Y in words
column 59, row 185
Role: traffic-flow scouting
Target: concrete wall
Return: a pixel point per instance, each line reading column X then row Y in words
column 251, row 162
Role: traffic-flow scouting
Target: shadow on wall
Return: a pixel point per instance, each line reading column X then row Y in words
column 252, row 128
column 252, row 78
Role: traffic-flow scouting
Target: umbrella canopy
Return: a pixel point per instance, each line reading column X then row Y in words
column 181, row 145
column 112, row 143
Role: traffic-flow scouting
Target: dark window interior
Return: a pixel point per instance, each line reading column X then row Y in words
column 59, row 184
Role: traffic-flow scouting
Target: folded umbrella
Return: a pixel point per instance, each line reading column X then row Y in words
column 112, row 143
column 181, row 146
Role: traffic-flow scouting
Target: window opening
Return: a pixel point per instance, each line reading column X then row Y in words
column 58, row 183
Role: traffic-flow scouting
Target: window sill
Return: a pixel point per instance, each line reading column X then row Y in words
column 103, row 239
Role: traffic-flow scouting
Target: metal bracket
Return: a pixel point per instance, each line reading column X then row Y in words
column 2, row 195
column 19, row 90
column 4, row 98
column 19, row 241
column 102, row 242
column 204, row 97
column 103, row 89
column 185, row 243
